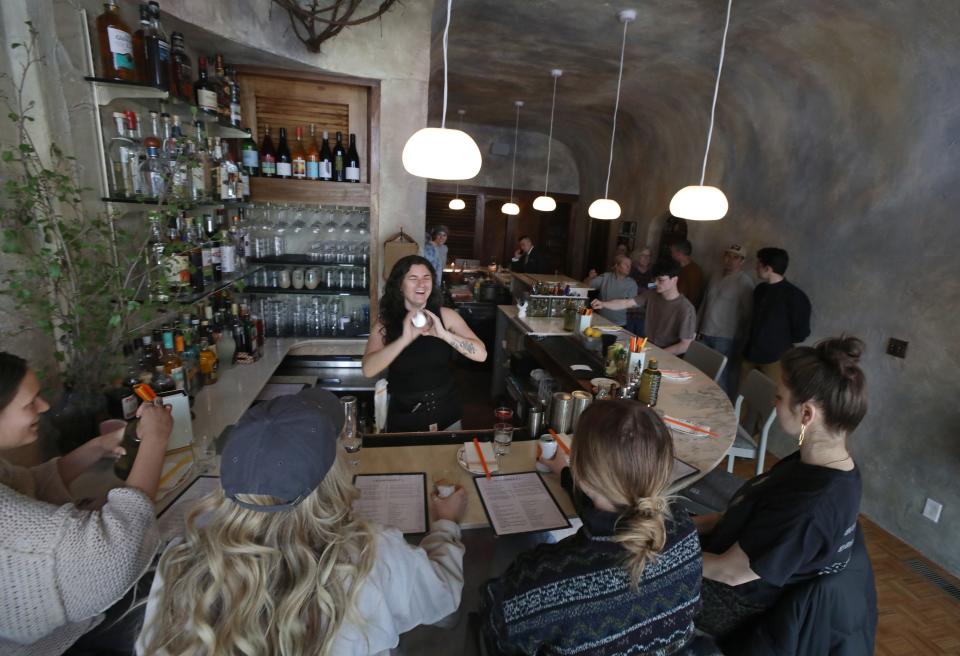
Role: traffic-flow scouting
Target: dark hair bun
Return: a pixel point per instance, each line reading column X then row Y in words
column 843, row 353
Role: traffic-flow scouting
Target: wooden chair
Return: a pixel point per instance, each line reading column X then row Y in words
column 706, row 359
column 760, row 394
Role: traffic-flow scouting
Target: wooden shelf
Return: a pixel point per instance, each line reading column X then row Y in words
column 309, row 191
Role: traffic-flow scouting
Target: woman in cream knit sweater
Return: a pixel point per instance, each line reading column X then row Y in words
column 61, row 567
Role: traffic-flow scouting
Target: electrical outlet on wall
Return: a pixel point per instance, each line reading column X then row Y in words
column 897, row 348
column 932, row 510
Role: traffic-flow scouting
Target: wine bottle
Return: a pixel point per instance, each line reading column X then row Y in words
column 235, row 118
column 268, row 156
column 206, row 96
column 116, row 45
column 352, row 168
column 140, row 43
column 250, row 157
column 181, row 83
column 313, row 155
column 158, row 50
column 339, row 160
column 284, row 161
column 298, row 156
column 326, row 159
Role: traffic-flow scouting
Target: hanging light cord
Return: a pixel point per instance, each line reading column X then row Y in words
column 513, row 169
column 553, row 105
column 716, row 88
column 461, row 113
column 446, row 31
column 616, row 106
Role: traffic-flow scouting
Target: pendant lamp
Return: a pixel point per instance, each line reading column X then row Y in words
column 438, row 152
column 545, row 203
column 456, row 203
column 703, row 202
column 512, row 208
column 607, row 209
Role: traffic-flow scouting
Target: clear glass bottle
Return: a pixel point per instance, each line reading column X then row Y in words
column 350, row 437
column 153, row 167
column 157, row 261
column 200, row 168
column 118, row 154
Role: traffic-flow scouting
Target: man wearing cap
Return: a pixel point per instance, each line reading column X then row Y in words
column 435, row 251
column 671, row 321
column 285, row 510
column 725, row 314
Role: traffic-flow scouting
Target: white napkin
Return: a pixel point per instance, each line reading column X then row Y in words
column 380, row 399
column 473, row 460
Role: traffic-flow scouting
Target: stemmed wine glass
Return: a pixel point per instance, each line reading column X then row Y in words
column 315, row 226
column 298, row 222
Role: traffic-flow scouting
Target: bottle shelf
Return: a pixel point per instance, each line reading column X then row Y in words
column 107, row 91
column 145, row 202
column 305, row 291
column 295, row 259
column 309, row 191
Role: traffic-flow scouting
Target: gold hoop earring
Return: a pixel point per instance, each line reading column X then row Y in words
column 803, row 431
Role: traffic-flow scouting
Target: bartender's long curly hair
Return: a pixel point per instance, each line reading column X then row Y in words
column 249, row 582
column 392, row 309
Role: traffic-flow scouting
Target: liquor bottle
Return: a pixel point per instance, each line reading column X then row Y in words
column 118, row 154
column 250, row 157
column 268, row 156
column 211, row 229
column 209, row 367
column 226, row 344
column 178, row 258
column 169, row 148
column 352, row 167
column 650, row 384
column 243, row 180
column 239, row 330
column 157, row 261
column 157, row 47
column 140, row 47
column 339, row 160
column 229, row 174
column 172, row 364
column 176, row 146
column 326, row 159
column 162, row 381
column 206, row 95
column 136, row 155
column 313, row 155
column 222, row 86
column 181, row 69
column 235, row 118
column 116, row 45
column 206, row 248
column 121, row 401
column 200, row 168
column 284, row 161
column 194, row 251
column 191, row 367
column 216, row 160
column 298, row 156
column 153, row 169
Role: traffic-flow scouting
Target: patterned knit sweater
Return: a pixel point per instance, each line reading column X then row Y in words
column 574, row 597
column 61, row 567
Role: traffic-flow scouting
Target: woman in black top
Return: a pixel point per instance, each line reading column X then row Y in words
column 796, row 521
column 420, row 384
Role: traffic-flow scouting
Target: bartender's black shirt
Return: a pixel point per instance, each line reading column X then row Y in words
column 795, row 522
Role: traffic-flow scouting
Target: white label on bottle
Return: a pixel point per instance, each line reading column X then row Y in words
column 313, row 170
column 206, row 256
column 179, row 378
column 228, row 258
column 216, row 255
column 244, row 185
column 284, row 169
column 251, row 159
column 326, row 169
column 352, row 173
column 207, row 100
column 121, row 47
column 129, row 404
column 235, row 113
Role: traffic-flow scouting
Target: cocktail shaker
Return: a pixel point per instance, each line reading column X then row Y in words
column 534, row 422
column 561, row 412
column 581, row 400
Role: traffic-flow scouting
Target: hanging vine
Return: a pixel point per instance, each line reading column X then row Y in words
column 313, row 24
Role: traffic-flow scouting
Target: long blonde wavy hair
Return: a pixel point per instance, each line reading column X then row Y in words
column 250, row 582
column 623, row 450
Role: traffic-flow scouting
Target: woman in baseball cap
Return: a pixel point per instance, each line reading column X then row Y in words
column 275, row 562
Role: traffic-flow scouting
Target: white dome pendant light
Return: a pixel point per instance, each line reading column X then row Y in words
column 512, row 208
column 703, row 202
column 545, row 203
column 607, row 209
column 438, row 152
column 456, row 203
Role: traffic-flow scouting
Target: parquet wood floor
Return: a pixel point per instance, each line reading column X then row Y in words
column 916, row 617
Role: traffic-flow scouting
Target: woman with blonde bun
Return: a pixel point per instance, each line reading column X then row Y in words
column 629, row 580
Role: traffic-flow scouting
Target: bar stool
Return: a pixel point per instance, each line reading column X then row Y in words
column 706, row 359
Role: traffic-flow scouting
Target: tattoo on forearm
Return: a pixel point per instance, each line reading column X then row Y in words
column 464, row 346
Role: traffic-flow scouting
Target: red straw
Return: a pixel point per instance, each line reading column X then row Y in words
column 483, row 461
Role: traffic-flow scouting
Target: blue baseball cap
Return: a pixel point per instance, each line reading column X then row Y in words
column 282, row 448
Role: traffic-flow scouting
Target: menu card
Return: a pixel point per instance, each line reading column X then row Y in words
column 397, row 500
column 519, row 503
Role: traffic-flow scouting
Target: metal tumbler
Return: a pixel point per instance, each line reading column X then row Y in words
column 581, row 400
column 534, row 422
column 561, row 412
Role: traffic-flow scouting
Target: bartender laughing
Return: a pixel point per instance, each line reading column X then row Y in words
column 413, row 340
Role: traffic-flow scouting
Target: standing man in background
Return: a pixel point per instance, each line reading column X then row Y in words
column 435, row 251
column 781, row 315
column 691, row 275
column 527, row 260
column 725, row 314
column 616, row 284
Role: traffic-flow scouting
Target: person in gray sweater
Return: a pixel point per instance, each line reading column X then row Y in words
column 61, row 567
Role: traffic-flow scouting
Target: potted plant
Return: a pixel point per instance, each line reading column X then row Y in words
column 73, row 273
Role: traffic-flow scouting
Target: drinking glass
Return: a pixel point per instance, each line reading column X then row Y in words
column 444, row 483
column 298, row 222
column 503, row 415
column 316, row 227
column 502, row 438
column 281, row 225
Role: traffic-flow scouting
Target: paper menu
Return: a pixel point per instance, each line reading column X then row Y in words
column 519, row 503
column 397, row 500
